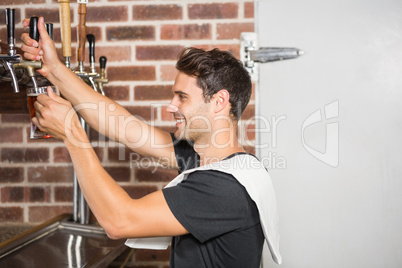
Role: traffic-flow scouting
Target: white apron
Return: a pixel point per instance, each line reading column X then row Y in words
column 250, row 173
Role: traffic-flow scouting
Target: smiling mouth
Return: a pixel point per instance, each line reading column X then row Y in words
column 179, row 120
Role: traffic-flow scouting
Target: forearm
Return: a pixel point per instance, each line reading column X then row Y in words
column 97, row 110
column 104, row 196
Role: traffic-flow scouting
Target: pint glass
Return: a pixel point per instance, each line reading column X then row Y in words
column 32, row 94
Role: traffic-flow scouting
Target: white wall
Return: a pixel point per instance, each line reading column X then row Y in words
column 341, row 207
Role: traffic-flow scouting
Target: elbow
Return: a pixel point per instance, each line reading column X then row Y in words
column 113, row 230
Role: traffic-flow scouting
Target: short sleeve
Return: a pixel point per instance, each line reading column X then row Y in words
column 208, row 204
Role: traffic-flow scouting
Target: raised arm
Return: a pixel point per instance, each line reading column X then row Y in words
column 118, row 214
column 101, row 113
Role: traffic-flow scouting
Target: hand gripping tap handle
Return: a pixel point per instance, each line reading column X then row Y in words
column 10, row 21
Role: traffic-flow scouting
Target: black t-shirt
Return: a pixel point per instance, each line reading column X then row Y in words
column 222, row 220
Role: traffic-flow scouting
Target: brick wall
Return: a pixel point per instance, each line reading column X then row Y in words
column 141, row 40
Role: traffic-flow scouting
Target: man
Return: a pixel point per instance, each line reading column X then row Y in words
column 210, row 214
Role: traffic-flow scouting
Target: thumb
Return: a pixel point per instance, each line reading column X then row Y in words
column 42, row 30
column 53, row 95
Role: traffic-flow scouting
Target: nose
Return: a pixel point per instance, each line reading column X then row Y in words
column 171, row 108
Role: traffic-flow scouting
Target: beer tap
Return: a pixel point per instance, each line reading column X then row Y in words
column 81, row 33
column 65, row 28
column 29, row 65
column 11, row 58
column 49, row 29
column 93, row 74
column 102, row 79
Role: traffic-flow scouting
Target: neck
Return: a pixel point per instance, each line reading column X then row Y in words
column 221, row 143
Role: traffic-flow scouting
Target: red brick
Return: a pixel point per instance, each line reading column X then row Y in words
column 15, row 118
column 96, row 136
column 113, row 53
column 50, row 15
column 168, row 72
column 38, row 194
column 11, row 214
column 252, row 97
column 130, row 33
column 20, row 2
column 11, row 174
column 107, row 13
column 139, row 191
column 233, row 30
column 155, row 92
column 99, row 152
column 155, row 174
column 157, row 12
column 213, row 11
column 248, row 113
column 152, row 255
column 234, row 49
column 57, row 35
column 185, row 32
column 249, row 10
column 50, row 174
column 10, row 134
column 45, row 213
column 157, row 52
column 249, row 149
column 141, row 112
column 22, row 155
column 12, row 194
column 120, row 154
column 61, row 155
column 117, row 93
column 132, row 73
column 63, row 194
column 119, row 174
column 250, row 132
column 17, row 15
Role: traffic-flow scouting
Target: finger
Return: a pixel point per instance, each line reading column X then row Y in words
column 56, row 97
column 38, row 107
column 35, row 121
column 42, row 30
column 28, row 40
column 25, row 22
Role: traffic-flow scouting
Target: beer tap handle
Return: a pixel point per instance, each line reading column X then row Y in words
column 102, row 78
column 10, row 21
column 81, row 32
column 91, row 44
column 49, row 29
column 33, row 28
column 12, row 57
column 102, row 63
column 65, row 27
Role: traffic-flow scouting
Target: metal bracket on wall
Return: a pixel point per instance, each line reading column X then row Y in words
column 250, row 54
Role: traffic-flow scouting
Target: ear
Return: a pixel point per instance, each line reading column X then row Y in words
column 221, row 99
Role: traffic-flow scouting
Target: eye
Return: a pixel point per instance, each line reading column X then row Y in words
column 182, row 97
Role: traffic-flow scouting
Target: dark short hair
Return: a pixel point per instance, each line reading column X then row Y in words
column 216, row 70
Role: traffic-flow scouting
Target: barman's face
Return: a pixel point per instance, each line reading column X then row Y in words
column 191, row 112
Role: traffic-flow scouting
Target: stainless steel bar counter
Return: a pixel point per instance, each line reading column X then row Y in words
column 60, row 243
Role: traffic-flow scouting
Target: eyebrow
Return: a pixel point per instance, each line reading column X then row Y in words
column 180, row 92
